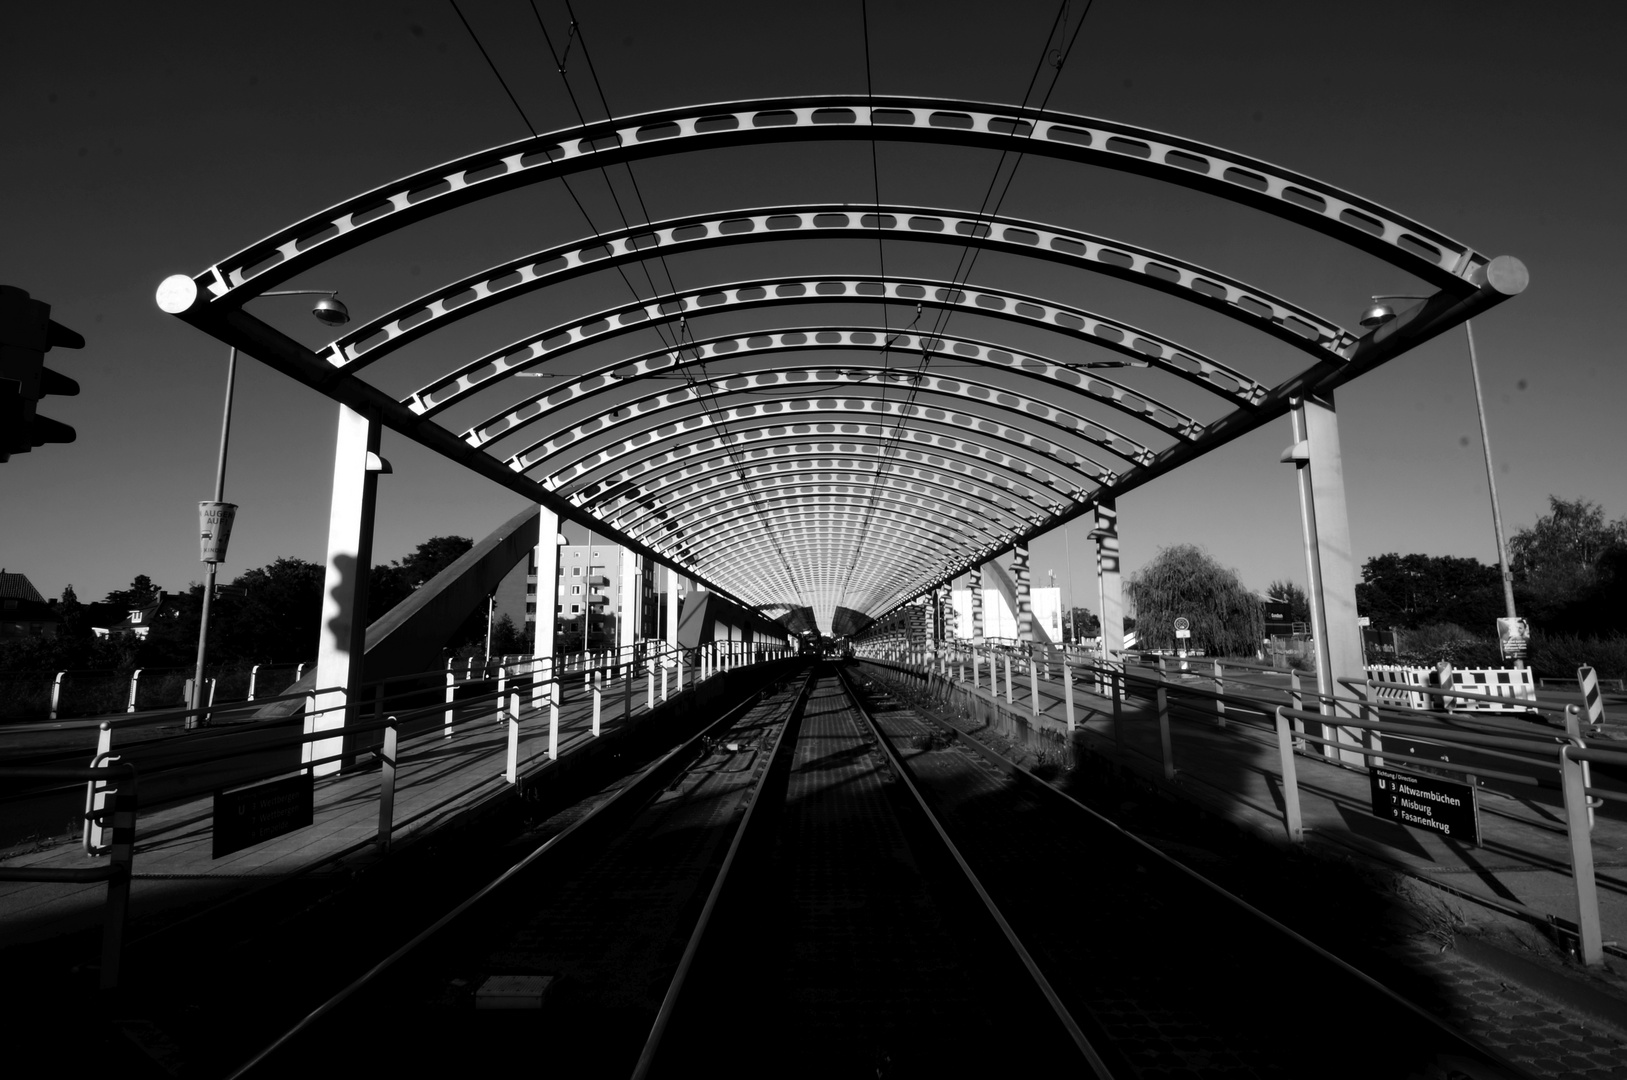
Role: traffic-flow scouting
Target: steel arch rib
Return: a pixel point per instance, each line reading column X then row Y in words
column 704, row 476
column 1218, row 292
column 719, row 515
column 729, row 538
column 780, row 341
column 1349, row 218
column 1141, row 347
column 623, row 438
column 771, row 525
column 963, row 436
column 999, row 400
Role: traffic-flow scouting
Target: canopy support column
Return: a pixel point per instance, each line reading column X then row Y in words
column 1329, row 563
column 342, row 644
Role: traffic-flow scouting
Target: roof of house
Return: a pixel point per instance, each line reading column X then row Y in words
column 18, row 587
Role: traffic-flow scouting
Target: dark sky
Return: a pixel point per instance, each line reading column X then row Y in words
column 145, row 140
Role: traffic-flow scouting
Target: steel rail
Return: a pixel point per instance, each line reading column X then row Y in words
column 1060, row 1010
column 635, row 789
column 1059, row 797
column 675, row 988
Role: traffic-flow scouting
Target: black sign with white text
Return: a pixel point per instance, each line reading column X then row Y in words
column 1426, row 802
column 249, row 816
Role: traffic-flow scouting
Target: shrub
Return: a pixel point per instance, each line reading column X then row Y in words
column 1557, row 656
column 1428, row 645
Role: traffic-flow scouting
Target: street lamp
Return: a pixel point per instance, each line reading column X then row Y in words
column 1379, row 314
column 330, row 310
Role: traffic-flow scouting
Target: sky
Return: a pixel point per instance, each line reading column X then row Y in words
column 145, row 140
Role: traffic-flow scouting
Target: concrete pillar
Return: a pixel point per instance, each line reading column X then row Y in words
column 1110, row 589
column 976, row 575
column 1025, row 598
column 627, row 616
column 674, row 598
column 1330, row 564
column 542, row 642
column 343, row 636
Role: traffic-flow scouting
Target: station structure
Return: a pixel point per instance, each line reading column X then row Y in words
column 819, row 477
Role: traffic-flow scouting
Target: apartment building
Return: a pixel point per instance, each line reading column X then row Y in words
column 590, row 598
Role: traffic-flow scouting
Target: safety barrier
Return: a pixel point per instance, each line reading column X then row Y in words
column 108, row 807
column 111, row 796
column 1412, row 679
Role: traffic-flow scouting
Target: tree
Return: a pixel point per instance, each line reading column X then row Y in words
column 507, row 640
column 1299, row 605
column 433, row 556
column 1079, row 624
column 141, row 592
column 280, row 619
column 1570, row 568
column 73, row 615
column 1185, row 581
column 1409, row 591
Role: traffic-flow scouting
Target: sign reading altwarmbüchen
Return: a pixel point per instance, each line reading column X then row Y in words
column 1426, row 802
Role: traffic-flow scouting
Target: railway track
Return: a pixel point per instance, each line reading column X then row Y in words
column 833, row 885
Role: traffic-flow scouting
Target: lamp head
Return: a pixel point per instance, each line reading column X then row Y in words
column 1377, row 315
column 330, row 310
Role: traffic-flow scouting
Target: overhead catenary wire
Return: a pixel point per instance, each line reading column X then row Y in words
column 705, row 395
column 964, row 265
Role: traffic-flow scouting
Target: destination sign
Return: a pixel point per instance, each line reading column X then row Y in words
column 253, row 815
column 1426, row 802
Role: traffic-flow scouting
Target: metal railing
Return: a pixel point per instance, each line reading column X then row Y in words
column 340, row 734
column 1556, row 748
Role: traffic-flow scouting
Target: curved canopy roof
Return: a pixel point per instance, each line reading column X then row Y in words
column 847, row 465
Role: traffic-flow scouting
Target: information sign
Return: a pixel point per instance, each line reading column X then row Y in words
column 252, row 815
column 1426, row 802
column 1183, row 633
column 215, row 530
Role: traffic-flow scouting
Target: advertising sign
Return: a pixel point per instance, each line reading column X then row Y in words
column 1513, row 637
column 1426, row 802
column 214, row 530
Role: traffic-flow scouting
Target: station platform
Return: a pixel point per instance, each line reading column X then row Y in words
column 1518, row 879
column 439, row 780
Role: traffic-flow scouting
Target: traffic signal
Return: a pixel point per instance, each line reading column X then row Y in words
column 26, row 335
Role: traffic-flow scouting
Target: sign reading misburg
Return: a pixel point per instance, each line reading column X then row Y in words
column 1426, row 802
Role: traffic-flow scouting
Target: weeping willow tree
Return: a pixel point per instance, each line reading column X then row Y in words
column 1226, row 619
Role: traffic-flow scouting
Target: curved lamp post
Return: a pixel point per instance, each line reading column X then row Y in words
column 1380, row 313
column 330, row 310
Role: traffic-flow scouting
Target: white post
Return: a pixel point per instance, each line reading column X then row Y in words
column 597, row 696
column 545, row 683
column 1067, row 692
column 135, row 683
column 451, row 678
column 553, row 731
column 56, row 692
column 254, row 677
column 343, row 641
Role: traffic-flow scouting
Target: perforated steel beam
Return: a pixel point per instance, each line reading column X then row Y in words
column 375, row 340
column 590, row 479
column 1301, row 199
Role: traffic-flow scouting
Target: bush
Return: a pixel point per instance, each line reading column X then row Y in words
column 1428, row 645
column 1557, row 656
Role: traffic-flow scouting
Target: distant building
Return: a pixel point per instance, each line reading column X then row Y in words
column 137, row 622
column 23, row 611
column 589, row 597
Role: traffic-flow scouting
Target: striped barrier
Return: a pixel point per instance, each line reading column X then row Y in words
column 1513, row 686
column 1408, row 685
